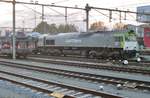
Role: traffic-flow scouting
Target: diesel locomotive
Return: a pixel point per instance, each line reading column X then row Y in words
column 100, row 44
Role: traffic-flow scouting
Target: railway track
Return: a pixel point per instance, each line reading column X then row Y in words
column 134, row 63
column 58, row 90
column 145, row 52
column 143, row 63
column 105, row 66
column 125, row 83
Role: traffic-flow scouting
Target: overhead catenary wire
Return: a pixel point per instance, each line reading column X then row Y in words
column 61, row 1
column 56, row 11
column 40, row 4
column 69, row 14
column 133, row 4
column 104, row 14
column 48, row 16
column 122, row 18
column 41, row 13
column 117, row 10
column 91, row 7
column 87, row 8
column 75, row 13
column 32, row 10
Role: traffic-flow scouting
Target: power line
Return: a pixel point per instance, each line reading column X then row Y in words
column 52, row 5
column 87, row 9
column 134, row 4
column 115, row 18
column 57, row 12
column 76, row 13
column 41, row 13
column 91, row 7
column 101, row 13
column 61, row 1
column 117, row 10
column 33, row 10
column 104, row 14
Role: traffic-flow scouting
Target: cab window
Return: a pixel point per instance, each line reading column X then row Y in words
column 130, row 38
column 50, row 42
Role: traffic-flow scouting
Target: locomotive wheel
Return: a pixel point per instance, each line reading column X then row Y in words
column 92, row 55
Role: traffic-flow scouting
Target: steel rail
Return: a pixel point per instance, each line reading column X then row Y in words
column 85, row 90
column 130, row 83
column 143, row 63
column 95, row 66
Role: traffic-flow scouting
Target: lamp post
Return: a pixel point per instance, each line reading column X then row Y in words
column 14, row 24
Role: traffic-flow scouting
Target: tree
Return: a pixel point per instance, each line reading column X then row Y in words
column 53, row 28
column 42, row 27
column 97, row 26
column 67, row 28
column 119, row 26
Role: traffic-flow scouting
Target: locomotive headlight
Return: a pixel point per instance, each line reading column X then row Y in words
column 138, row 59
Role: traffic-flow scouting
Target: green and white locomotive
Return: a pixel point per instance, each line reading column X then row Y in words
column 101, row 44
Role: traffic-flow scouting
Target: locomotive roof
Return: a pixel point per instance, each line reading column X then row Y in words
column 65, row 34
column 85, row 34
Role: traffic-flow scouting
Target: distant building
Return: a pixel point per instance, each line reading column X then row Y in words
column 138, row 29
column 141, row 17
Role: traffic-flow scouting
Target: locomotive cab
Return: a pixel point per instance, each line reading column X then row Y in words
column 131, row 46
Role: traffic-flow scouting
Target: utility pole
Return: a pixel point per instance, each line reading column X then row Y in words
column 23, row 23
column 110, row 15
column 87, row 9
column 34, row 3
column 66, row 15
column 14, row 25
column 42, row 13
column 35, row 20
column 43, row 18
column 120, row 16
column 125, row 18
